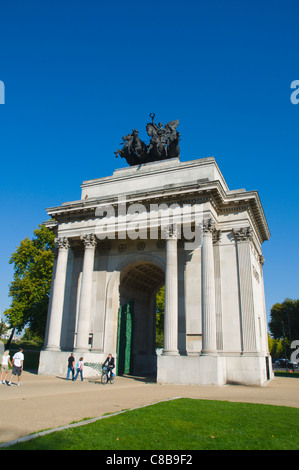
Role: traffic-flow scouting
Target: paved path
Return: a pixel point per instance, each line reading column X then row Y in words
column 44, row 402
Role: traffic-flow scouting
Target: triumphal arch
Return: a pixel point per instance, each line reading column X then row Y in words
column 160, row 221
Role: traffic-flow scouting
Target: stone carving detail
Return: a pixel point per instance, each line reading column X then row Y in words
column 262, row 260
column 140, row 246
column 256, row 274
column 243, row 234
column 208, row 226
column 216, row 235
column 122, row 247
column 161, row 244
column 170, row 232
column 104, row 246
column 89, row 240
column 62, row 243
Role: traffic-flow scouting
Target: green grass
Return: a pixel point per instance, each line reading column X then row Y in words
column 183, row 424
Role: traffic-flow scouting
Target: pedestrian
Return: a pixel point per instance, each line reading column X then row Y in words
column 17, row 366
column 79, row 368
column 4, row 366
column 71, row 367
column 110, row 364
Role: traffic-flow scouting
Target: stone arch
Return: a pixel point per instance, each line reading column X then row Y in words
column 137, row 277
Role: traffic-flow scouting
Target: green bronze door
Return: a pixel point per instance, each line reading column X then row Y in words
column 125, row 339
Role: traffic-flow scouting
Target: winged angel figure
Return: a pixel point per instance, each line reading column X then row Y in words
column 164, row 144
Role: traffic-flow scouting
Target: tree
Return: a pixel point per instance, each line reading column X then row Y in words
column 30, row 288
column 279, row 348
column 284, row 320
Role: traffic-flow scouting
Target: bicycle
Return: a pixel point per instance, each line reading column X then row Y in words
column 105, row 378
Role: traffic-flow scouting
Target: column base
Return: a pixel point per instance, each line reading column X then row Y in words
column 170, row 352
column 52, row 348
column 209, row 353
column 81, row 350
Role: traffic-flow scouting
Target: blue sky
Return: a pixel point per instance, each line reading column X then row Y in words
column 79, row 75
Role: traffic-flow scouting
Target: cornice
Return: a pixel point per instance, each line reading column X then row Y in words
column 193, row 192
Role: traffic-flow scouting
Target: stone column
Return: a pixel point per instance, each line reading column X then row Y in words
column 265, row 344
column 208, row 289
column 53, row 343
column 218, row 293
column 171, row 294
column 85, row 294
column 243, row 237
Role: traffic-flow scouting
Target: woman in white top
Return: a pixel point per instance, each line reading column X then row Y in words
column 4, row 366
column 79, row 368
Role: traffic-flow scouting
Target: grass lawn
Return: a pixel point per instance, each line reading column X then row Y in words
column 183, row 424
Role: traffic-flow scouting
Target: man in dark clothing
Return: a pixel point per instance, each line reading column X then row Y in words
column 71, row 367
column 109, row 363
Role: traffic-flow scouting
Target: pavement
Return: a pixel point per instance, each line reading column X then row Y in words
column 46, row 402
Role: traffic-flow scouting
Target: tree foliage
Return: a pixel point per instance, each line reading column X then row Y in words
column 30, row 288
column 279, row 348
column 284, row 328
column 284, row 320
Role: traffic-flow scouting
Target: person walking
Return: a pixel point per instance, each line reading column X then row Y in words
column 71, row 367
column 5, row 361
column 79, row 368
column 17, row 366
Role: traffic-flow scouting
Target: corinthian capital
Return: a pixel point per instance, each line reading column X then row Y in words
column 261, row 260
column 242, row 234
column 208, row 226
column 89, row 240
column 170, row 232
column 62, row 243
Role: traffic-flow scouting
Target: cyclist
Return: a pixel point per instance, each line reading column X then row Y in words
column 109, row 363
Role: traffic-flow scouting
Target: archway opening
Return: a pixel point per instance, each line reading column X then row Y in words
column 137, row 322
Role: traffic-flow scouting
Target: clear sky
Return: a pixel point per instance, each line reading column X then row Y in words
column 80, row 75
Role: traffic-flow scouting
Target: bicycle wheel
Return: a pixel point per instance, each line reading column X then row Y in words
column 104, row 378
column 112, row 379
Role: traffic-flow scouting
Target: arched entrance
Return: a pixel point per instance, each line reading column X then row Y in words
column 139, row 283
